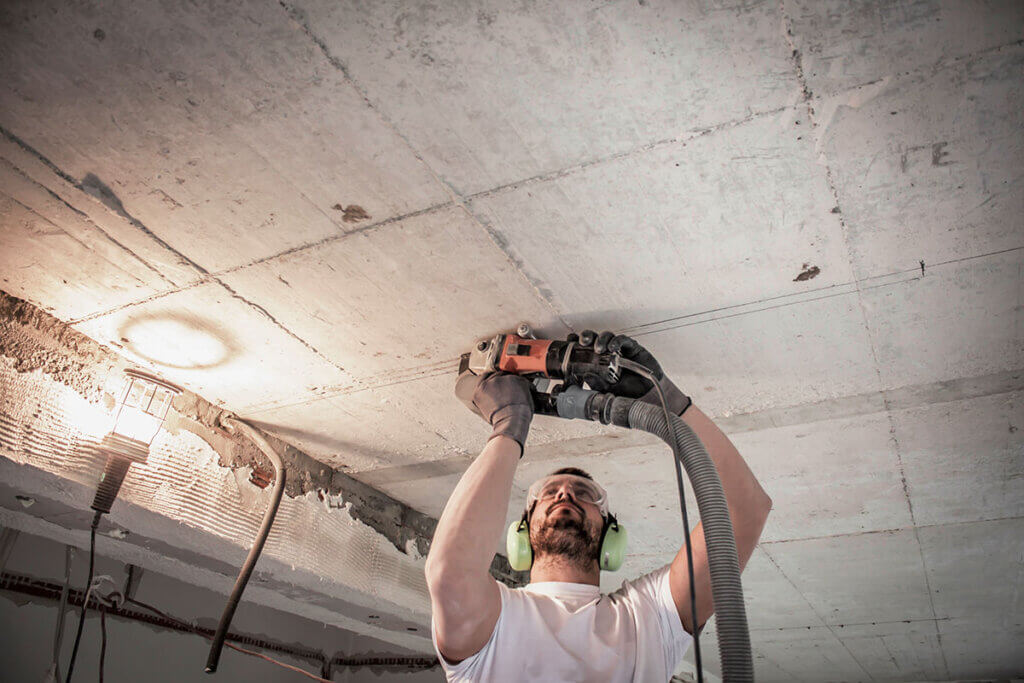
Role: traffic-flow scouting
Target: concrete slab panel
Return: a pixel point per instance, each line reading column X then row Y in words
column 772, row 600
column 49, row 256
column 728, row 218
column 964, row 460
column 813, row 349
column 977, row 650
column 227, row 153
column 844, row 44
column 216, row 345
column 831, row 477
column 896, row 651
column 491, row 94
column 402, row 300
column 976, row 570
column 858, row 578
column 938, row 154
column 959, row 320
column 813, row 655
column 40, row 187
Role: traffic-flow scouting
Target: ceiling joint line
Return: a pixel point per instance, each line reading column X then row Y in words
column 927, row 69
column 140, row 302
column 827, row 625
column 104, row 196
column 335, row 238
column 807, row 96
column 260, row 309
column 300, row 20
column 85, row 217
column 791, row 583
column 692, row 134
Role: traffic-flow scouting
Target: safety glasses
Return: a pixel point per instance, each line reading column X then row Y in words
column 581, row 488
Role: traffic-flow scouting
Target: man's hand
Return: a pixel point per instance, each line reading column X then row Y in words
column 631, row 384
column 500, row 398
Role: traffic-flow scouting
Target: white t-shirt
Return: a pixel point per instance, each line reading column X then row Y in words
column 557, row 631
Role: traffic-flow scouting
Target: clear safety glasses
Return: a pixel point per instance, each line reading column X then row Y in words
column 581, row 488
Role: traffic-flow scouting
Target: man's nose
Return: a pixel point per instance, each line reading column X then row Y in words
column 566, row 492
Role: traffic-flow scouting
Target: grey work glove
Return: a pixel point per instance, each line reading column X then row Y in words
column 501, row 398
column 631, row 384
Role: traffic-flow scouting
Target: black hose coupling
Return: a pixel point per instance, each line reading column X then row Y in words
column 577, row 403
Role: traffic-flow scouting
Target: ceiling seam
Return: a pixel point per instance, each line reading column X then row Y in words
column 297, row 17
column 690, row 135
column 811, row 606
column 768, row 629
column 370, row 227
column 71, row 237
column 931, row 68
column 82, row 215
column 871, row 532
column 259, row 309
column 807, row 97
column 92, row 189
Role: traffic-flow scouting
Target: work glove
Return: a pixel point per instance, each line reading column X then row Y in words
column 501, row 398
column 631, row 384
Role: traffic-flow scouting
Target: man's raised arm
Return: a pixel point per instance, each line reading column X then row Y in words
column 463, row 596
column 748, row 503
column 748, row 509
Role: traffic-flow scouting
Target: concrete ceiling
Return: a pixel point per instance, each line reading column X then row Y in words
column 810, row 212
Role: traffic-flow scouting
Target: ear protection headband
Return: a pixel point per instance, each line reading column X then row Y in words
column 520, row 552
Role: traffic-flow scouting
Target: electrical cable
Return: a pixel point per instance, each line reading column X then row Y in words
column 103, row 638
column 237, row 648
column 58, row 632
column 645, row 372
column 88, row 590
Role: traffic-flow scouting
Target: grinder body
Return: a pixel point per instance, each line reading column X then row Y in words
column 566, row 363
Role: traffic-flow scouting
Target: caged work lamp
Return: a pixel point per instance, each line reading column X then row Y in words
column 141, row 410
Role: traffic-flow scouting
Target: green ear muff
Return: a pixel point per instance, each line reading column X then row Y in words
column 613, row 545
column 517, row 545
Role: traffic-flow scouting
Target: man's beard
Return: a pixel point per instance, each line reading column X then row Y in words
column 569, row 538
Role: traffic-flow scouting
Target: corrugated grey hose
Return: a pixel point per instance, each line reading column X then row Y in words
column 723, row 561
column 233, row 424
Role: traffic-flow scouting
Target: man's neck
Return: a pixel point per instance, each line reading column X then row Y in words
column 557, row 568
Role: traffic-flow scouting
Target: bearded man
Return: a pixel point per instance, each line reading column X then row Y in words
column 560, row 627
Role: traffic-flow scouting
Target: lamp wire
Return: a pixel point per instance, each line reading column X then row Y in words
column 88, row 591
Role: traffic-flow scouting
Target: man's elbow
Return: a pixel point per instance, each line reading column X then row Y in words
column 760, row 510
column 434, row 572
column 441, row 575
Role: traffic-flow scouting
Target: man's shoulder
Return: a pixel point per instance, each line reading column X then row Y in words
column 645, row 584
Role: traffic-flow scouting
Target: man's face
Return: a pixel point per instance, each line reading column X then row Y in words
column 566, row 519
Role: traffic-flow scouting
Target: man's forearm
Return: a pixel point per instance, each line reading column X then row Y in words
column 472, row 521
column 744, row 495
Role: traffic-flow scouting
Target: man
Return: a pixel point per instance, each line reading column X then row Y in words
column 559, row 627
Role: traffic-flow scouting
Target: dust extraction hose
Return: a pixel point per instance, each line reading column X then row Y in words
column 232, row 424
column 723, row 560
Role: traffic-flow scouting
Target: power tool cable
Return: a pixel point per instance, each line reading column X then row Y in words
column 645, row 372
column 88, row 590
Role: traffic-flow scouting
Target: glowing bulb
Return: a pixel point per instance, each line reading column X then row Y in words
column 140, row 414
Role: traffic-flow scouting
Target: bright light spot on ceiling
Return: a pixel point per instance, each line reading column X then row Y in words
column 177, row 341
